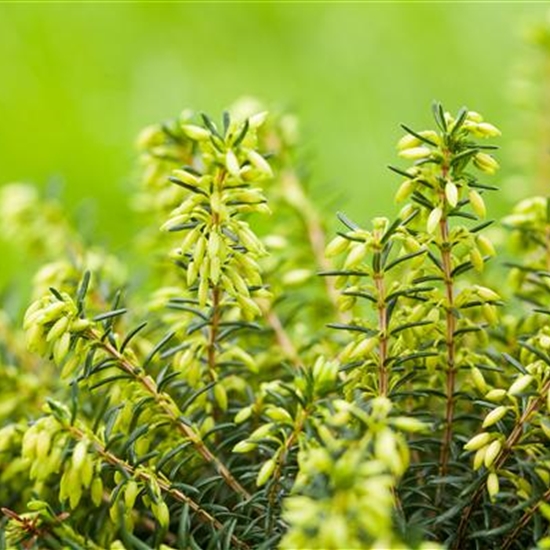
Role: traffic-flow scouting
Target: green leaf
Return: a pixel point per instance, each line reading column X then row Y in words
column 187, row 186
column 242, row 133
column 401, row 172
column 157, row 348
column 545, row 358
column 110, row 419
column 109, row 380
column 171, row 454
column 439, row 115
column 360, row 294
column 403, row 258
column 184, row 527
column 352, row 226
column 134, row 436
column 515, row 363
column 410, row 325
column 210, row 125
column 418, row 136
column 131, row 334
column 56, row 294
column 481, row 226
column 109, row 315
column 459, row 121
column 353, row 328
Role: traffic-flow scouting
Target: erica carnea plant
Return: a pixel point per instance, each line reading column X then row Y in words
column 270, row 390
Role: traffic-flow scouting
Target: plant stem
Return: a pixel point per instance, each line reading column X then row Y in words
column 524, row 521
column 450, row 326
column 511, row 441
column 216, row 292
column 164, row 485
column 214, row 326
column 383, row 329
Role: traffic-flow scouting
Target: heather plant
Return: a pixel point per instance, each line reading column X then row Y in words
column 267, row 387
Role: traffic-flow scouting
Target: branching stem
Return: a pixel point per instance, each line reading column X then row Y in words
column 214, row 326
column 172, row 411
column 450, row 327
column 511, row 441
column 164, row 485
column 383, row 381
column 522, row 523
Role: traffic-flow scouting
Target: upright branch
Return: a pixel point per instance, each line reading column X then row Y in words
column 384, row 282
column 445, row 248
column 383, row 329
column 441, row 186
column 219, row 252
column 496, row 449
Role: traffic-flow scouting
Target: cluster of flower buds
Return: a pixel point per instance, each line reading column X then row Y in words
column 281, row 423
column 438, row 180
column 354, row 480
column 219, row 248
column 52, row 323
column 44, row 450
column 509, row 410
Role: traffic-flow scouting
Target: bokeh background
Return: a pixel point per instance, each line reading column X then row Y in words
column 78, row 81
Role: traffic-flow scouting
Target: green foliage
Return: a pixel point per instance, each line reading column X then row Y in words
column 267, row 392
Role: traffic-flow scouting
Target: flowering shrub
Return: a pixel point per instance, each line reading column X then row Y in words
column 271, row 390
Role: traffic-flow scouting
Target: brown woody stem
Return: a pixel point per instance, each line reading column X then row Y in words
column 164, row 485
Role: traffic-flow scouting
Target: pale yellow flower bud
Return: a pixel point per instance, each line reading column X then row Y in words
column 336, row 246
column 493, row 450
column 260, row 163
column 255, row 121
column 479, row 380
column 296, row 277
column 404, row 191
column 521, row 384
column 196, row 133
column 494, row 416
column 486, row 163
column 408, row 141
column 162, row 513
column 415, row 153
column 266, row 472
column 244, row 447
column 243, row 415
column 492, row 485
column 232, row 164
column 451, row 193
column 186, row 177
column 488, row 130
column 477, row 203
column 479, row 457
column 485, row 245
column 496, row 395
column 434, row 219
column 478, row 441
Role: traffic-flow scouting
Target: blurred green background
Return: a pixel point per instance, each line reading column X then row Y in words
column 78, row 80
